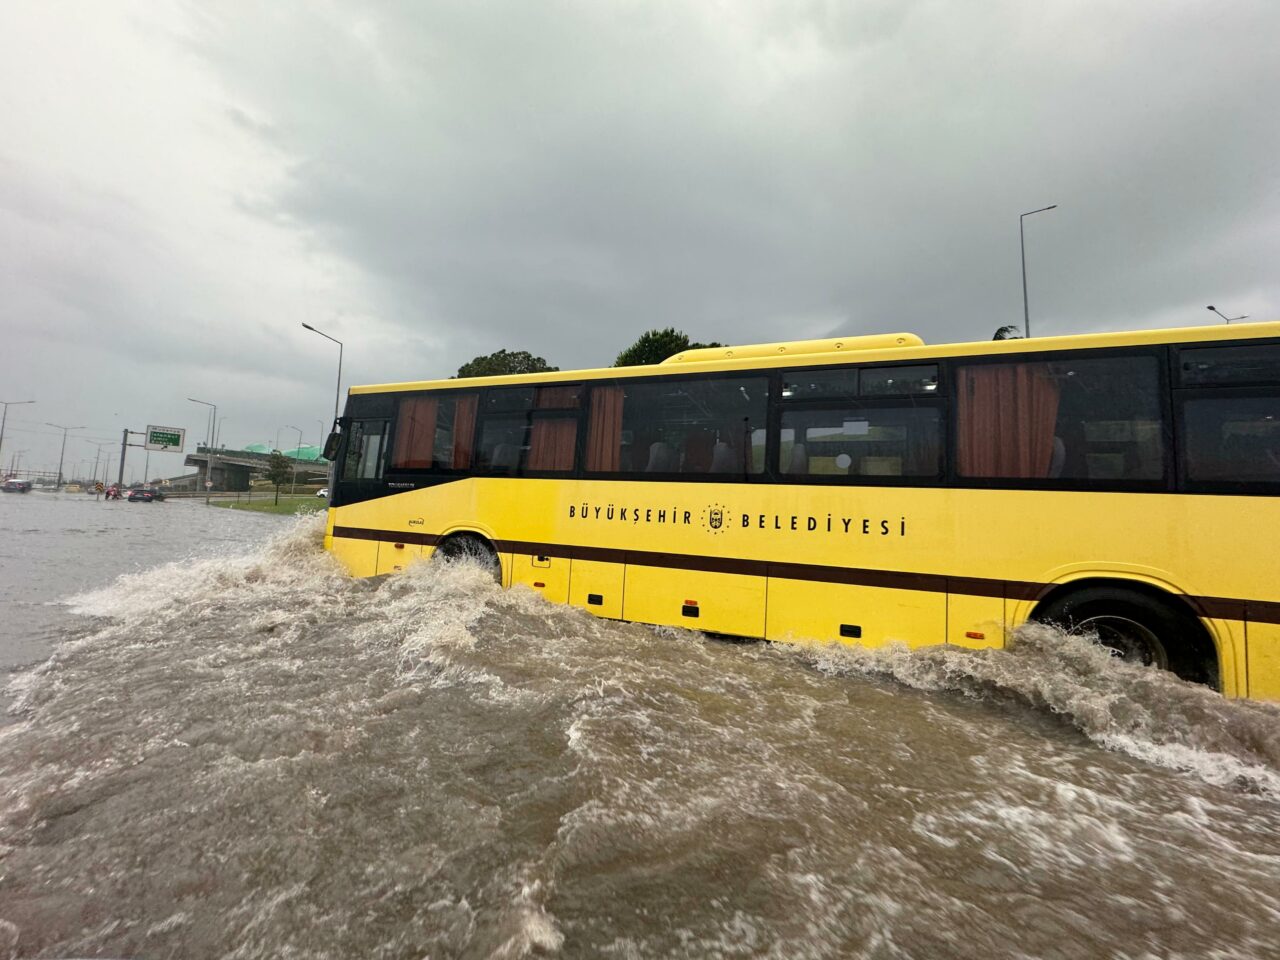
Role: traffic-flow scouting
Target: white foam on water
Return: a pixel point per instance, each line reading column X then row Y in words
column 1145, row 713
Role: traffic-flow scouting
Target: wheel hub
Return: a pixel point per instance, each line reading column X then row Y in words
column 1131, row 641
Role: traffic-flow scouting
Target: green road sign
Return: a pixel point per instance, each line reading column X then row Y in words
column 165, row 438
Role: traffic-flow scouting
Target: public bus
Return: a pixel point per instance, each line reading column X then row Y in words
column 864, row 489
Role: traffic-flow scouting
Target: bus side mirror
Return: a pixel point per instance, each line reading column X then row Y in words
column 331, row 446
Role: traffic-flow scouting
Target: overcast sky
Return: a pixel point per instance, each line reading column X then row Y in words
column 183, row 184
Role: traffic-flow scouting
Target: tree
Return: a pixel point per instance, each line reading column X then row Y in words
column 1007, row 332
column 504, row 362
column 279, row 470
column 654, row 346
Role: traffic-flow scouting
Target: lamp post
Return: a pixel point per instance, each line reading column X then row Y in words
column 208, row 445
column 337, row 395
column 293, row 487
column 7, row 404
column 1022, row 240
column 58, row 483
column 217, row 432
column 1224, row 316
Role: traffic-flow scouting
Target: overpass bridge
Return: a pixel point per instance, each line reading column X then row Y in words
column 231, row 469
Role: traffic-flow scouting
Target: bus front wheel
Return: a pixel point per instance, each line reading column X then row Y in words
column 471, row 548
column 1138, row 628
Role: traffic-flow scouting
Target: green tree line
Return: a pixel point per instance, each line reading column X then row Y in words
column 653, row 346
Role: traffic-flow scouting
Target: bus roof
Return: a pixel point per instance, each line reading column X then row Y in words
column 872, row 348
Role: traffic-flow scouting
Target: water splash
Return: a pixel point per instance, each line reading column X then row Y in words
column 256, row 756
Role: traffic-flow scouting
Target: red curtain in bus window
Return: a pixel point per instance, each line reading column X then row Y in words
column 1006, row 416
column 557, row 398
column 551, row 443
column 464, row 430
column 604, row 433
column 415, row 433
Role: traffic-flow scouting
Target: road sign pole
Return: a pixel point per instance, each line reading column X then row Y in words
column 124, row 447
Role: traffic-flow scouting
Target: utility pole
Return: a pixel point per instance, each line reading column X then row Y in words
column 58, row 483
column 7, row 404
column 124, row 450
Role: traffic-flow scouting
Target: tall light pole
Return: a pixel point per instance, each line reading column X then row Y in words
column 337, row 395
column 208, row 445
column 7, row 404
column 1022, row 240
column 1224, row 316
column 58, row 483
column 217, row 432
column 293, row 487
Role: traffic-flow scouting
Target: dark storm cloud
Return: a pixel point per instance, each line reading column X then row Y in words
column 182, row 185
column 559, row 177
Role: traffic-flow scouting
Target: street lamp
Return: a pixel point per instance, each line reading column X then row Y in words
column 217, row 433
column 7, row 404
column 1224, row 316
column 337, row 395
column 1026, row 313
column 293, row 488
column 208, row 444
column 58, row 483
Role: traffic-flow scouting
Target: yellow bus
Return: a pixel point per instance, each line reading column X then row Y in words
column 864, row 490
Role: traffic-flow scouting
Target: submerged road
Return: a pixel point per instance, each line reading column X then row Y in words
column 217, row 745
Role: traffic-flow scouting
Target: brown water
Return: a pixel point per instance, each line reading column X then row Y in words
column 250, row 755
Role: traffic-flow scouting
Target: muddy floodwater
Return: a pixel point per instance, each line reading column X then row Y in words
column 217, row 745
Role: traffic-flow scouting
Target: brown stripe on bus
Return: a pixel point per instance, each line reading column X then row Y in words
column 1218, row 608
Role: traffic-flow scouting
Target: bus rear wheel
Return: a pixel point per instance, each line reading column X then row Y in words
column 1138, row 628
column 471, row 548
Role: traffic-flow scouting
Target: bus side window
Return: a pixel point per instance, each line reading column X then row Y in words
column 678, row 425
column 1231, row 439
column 863, row 441
column 1093, row 419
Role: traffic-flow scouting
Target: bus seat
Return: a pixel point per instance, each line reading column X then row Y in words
column 723, row 459
column 696, row 452
column 1058, row 459
column 505, row 456
column 799, row 463
column 662, row 458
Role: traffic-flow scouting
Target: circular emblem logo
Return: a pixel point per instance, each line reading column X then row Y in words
column 715, row 518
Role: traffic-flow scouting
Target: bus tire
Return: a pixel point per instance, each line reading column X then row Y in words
column 470, row 547
column 1140, row 628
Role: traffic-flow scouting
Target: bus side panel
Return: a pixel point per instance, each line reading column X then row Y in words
column 724, row 602
column 975, row 622
column 396, row 556
column 864, row 616
column 360, row 557
column 549, row 576
column 1262, row 642
column 596, row 586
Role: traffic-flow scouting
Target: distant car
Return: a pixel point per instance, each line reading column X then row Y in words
column 142, row 496
column 24, row 486
column 323, row 492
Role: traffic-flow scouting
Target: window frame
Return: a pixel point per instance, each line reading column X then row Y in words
column 425, row 474
column 768, row 375
column 853, row 406
column 530, row 414
column 1219, row 487
column 1166, row 483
